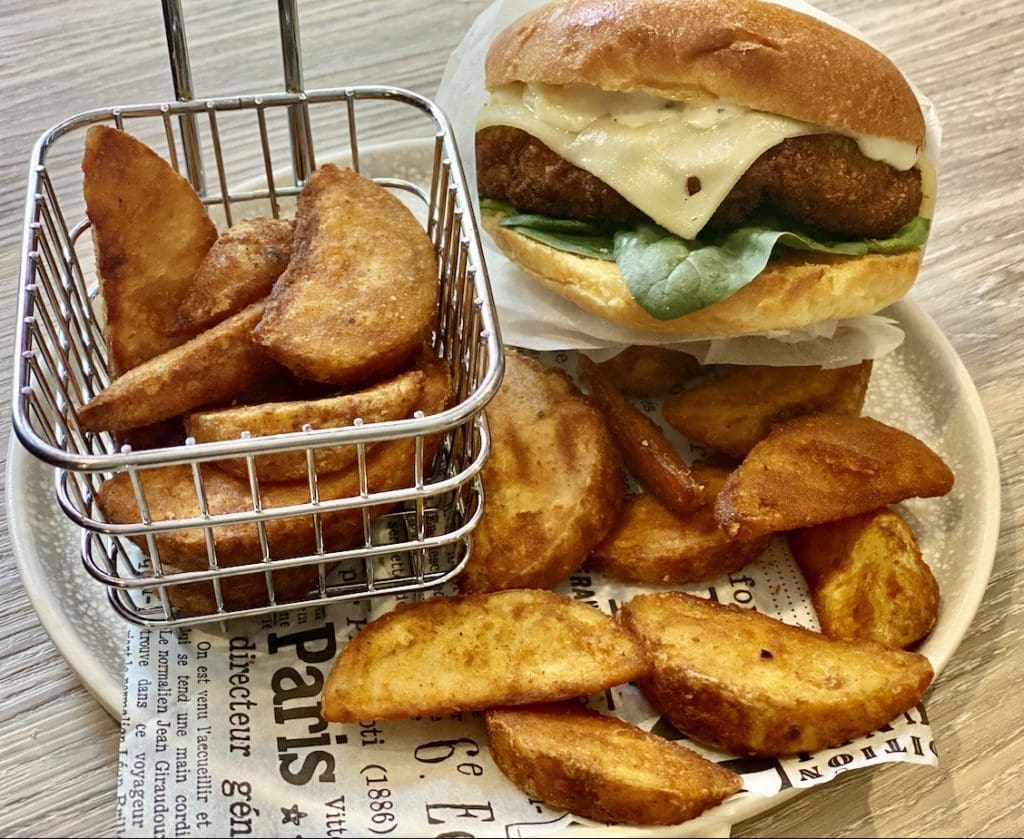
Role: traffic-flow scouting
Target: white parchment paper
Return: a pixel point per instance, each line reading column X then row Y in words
column 535, row 317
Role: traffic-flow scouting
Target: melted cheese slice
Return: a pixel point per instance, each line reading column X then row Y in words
column 674, row 160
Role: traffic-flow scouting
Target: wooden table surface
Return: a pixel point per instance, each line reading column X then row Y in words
column 58, row 748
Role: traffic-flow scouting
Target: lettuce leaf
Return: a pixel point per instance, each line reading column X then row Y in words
column 669, row 276
column 583, row 238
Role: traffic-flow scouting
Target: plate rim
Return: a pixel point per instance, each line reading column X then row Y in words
column 90, row 671
column 917, row 324
column 990, row 527
column 916, row 321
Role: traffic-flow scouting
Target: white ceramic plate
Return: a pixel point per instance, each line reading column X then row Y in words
column 922, row 387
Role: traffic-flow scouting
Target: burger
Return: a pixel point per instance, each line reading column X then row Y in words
column 703, row 167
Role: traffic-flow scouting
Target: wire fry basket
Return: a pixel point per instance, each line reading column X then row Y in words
column 398, row 537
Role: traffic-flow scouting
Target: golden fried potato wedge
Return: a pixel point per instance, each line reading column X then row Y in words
column 239, row 269
column 391, row 400
column 151, row 232
column 170, row 495
column 358, row 298
column 168, row 432
column 826, row 467
column 603, row 768
column 649, row 456
column 750, row 684
column 867, row 579
column 649, row 544
column 553, row 483
column 478, row 651
column 214, row 365
column 732, row 413
column 648, row 371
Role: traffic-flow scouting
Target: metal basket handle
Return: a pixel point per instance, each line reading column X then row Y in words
column 181, row 77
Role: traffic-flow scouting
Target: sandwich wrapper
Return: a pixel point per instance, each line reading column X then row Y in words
column 221, row 731
column 534, row 317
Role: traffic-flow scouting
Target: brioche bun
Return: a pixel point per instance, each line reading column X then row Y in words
column 759, row 55
column 794, row 290
column 755, row 54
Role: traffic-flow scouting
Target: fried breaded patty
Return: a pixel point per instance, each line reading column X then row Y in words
column 822, row 181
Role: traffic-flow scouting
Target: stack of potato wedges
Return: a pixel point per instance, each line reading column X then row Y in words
column 272, row 326
column 786, row 454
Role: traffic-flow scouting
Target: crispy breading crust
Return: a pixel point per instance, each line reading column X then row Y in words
column 359, row 297
column 648, row 454
column 867, row 579
column 171, row 495
column 478, row 651
column 239, row 269
column 825, row 467
column 151, row 232
column 644, row 370
column 603, row 768
column 553, row 483
column 213, row 366
column 750, row 684
column 390, row 400
column 821, row 181
column 732, row 413
column 649, row 544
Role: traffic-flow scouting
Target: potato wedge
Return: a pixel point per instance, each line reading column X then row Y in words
column 648, row 371
column 168, row 432
column 732, row 413
column 214, row 365
column 170, row 495
column 391, row 400
column 826, row 467
column 649, row 456
column 867, row 579
column 649, row 544
column 478, row 651
column 750, row 684
column 359, row 297
column 239, row 269
column 553, row 483
column 151, row 232
column 603, row 768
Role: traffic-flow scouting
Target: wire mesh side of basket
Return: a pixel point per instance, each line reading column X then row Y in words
column 406, row 537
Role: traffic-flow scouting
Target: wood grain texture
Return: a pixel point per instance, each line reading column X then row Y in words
column 58, row 750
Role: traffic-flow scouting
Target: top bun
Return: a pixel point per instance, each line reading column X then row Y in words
column 759, row 55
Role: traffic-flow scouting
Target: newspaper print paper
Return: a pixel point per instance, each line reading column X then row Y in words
column 222, row 734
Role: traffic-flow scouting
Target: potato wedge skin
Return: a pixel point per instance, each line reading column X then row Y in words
column 750, row 684
column 239, row 269
column 478, row 651
column 867, row 579
column 553, row 483
column 649, row 544
column 648, row 371
column 648, row 455
column 213, row 366
column 151, row 233
column 170, row 495
column 733, row 413
column 390, row 400
column 359, row 297
column 603, row 768
column 826, row 467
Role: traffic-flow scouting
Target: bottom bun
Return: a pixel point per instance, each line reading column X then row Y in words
column 795, row 290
